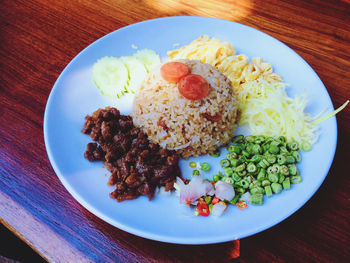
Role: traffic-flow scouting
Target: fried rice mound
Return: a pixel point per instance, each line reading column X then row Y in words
column 191, row 127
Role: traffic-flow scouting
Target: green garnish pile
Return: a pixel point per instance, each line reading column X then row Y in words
column 261, row 165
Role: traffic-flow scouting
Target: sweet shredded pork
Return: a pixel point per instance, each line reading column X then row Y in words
column 137, row 165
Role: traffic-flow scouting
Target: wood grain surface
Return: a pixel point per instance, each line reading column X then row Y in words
column 38, row 38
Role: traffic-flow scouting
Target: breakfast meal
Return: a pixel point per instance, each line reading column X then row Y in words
column 190, row 105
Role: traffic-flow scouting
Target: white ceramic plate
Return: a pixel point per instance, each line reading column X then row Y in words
column 74, row 95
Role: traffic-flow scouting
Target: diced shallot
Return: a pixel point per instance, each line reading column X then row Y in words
column 190, row 193
column 245, row 197
column 211, row 192
column 224, row 191
column 219, row 208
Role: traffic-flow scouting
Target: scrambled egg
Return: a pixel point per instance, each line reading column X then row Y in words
column 222, row 55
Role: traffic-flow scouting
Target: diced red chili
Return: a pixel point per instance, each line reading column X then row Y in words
column 215, row 200
column 241, row 205
column 203, row 209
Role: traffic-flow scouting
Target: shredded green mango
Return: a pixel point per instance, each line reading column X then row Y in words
column 318, row 121
column 268, row 110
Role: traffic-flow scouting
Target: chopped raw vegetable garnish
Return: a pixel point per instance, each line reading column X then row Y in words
column 207, row 196
column 259, row 165
column 203, row 208
column 205, row 167
column 241, row 205
column 192, row 164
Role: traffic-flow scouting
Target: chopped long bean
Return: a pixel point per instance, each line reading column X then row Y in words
column 240, row 167
column 257, row 190
column 284, row 170
column 295, row 179
column 195, row 172
column 251, row 168
column 205, row 167
column 255, row 158
column 290, row 159
column 215, row 153
column 257, row 199
column 244, row 183
column 265, row 183
column 228, row 180
column 259, row 139
column 238, row 139
column 234, row 200
column 283, row 149
column 224, row 163
column 296, row 156
column 231, row 156
column 245, row 153
column 216, row 177
column 292, row 169
column 286, row 184
column 228, row 171
column 273, row 177
column 242, row 173
column 234, row 162
column 234, row 148
column 271, row 158
column 282, row 139
column 236, row 177
column 256, row 149
column 306, row 146
column 261, row 175
column 281, row 159
column 261, row 165
column 268, row 191
column 274, row 149
column 281, row 179
column 294, row 146
column 276, row 188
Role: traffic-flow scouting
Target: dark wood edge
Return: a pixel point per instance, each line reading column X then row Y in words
column 43, row 239
column 20, row 236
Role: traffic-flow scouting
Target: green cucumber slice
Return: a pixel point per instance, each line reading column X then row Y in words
column 148, row 57
column 110, row 76
column 137, row 73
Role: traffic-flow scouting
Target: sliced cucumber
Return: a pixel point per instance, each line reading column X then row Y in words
column 148, row 57
column 137, row 72
column 116, row 76
column 110, row 76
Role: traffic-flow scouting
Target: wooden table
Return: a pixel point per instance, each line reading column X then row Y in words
column 38, row 39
